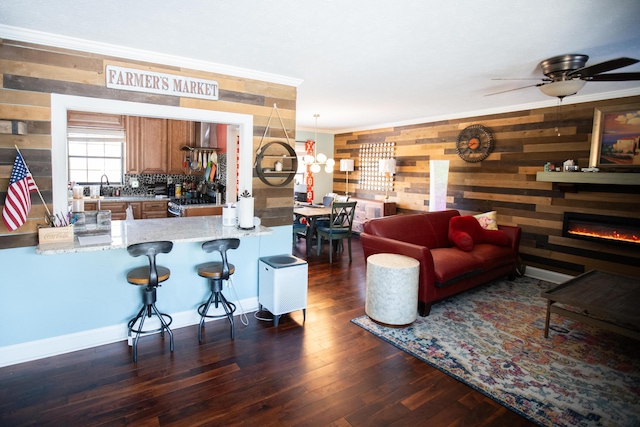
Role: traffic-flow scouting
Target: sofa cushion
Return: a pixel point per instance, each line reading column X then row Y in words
column 492, row 256
column 452, row 264
column 461, row 239
column 427, row 229
column 488, row 220
column 470, row 225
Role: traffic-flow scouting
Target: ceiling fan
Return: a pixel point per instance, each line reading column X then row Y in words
column 567, row 74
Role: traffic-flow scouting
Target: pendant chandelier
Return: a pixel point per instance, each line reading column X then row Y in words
column 316, row 161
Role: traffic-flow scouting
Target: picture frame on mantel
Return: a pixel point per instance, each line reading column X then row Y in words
column 615, row 140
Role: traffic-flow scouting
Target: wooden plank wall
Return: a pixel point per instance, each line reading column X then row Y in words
column 30, row 73
column 506, row 180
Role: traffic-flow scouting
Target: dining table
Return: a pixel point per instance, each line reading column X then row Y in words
column 312, row 213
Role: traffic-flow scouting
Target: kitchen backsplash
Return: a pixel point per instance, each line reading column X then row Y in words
column 146, row 181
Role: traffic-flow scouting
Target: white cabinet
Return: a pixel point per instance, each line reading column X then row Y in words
column 369, row 209
column 282, row 285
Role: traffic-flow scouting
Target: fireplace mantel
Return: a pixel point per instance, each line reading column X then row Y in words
column 590, row 178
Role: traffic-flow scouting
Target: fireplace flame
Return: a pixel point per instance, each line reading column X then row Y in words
column 608, row 235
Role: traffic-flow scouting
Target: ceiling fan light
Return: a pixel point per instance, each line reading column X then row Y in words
column 308, row 158
column 315, row 168
column 328, row 169
column 562, row 88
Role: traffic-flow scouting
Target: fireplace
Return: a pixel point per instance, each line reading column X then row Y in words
column 602, row 228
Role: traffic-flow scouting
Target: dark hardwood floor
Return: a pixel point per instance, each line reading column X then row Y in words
column 326, row 371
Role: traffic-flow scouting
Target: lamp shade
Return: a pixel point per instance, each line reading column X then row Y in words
column 562, row 88
column 346, row 165
column 387, row 166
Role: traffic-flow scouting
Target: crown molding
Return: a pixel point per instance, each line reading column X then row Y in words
column 576, row 99
column 55, row 40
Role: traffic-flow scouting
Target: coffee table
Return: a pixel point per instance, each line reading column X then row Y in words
column 599, row 298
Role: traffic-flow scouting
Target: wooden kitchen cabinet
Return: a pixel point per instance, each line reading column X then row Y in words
column 154, row 209
column 146, row 145
column 180, row 133
column 118, row 209
column 133, row 145
column 154, row 145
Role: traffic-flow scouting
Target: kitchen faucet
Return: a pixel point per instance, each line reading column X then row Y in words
column 101, row 182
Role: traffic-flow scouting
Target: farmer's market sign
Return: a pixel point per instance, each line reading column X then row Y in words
column 160, row 83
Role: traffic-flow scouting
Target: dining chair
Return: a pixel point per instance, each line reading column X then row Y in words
column 299, row 229
column 339, row 227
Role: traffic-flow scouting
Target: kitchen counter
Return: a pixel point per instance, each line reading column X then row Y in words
column 177, row 230
column 122, row 199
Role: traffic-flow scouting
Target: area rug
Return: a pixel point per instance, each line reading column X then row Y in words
column 492, row 338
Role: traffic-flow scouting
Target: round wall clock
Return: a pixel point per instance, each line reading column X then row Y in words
column 474, row 143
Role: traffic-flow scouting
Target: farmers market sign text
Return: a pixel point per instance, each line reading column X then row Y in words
column 160, row 83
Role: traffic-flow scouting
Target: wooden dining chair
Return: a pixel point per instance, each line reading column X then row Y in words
column 339, row 227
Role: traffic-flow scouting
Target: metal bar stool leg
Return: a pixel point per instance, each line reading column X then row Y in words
column 217, row 272
column 165, row 325
column 205, row 309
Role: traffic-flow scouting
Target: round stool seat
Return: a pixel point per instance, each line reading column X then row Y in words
column 392, row 289
column 213, row 270
column 140, row 275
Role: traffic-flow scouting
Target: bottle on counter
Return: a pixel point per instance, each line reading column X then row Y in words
column 178, row 191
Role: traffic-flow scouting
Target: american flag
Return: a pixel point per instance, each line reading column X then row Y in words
column 18, row 202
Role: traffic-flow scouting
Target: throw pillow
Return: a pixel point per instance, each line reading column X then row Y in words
column 471, row 227
column 488, row 220
column 462, row 240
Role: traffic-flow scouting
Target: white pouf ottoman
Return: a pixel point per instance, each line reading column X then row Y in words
column 392, row 289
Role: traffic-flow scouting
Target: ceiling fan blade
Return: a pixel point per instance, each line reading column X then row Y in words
column 511, row 90
column 614, row 77
column 602, row 67
column 523, row 78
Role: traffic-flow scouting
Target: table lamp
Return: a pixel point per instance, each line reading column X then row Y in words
column 388, row 168
column 346, row 165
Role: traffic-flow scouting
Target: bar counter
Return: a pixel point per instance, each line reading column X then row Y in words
column 177, row 230
column 87, row 289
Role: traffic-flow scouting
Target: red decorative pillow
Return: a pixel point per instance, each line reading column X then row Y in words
column 461, row 239
column 470, row 226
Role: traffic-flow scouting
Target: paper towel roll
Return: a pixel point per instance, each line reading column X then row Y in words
column 245, row 206
column 77, row 205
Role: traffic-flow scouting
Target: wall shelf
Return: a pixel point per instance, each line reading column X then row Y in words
column 611, row 178
column 281, row 151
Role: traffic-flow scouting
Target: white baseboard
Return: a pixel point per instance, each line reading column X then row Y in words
column 33, row 350
column 546, row 275
column 39, row 349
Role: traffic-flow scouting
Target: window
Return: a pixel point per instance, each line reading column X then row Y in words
column 94, row 153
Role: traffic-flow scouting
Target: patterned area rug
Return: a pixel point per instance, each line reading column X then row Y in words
column 492, row 338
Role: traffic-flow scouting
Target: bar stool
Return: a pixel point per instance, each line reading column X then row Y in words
column 149, row 276
column 216, row 272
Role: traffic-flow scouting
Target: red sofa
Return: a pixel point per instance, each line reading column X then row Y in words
column 445, row 269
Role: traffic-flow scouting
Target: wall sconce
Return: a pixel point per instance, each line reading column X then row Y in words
column 388, row 168
column 347, row 165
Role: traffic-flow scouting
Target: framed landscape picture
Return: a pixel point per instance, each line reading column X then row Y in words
column 615, row 142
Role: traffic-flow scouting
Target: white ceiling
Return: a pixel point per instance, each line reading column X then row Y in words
column 360, row 64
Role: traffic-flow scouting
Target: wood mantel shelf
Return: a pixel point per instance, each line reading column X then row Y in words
column 590, row 178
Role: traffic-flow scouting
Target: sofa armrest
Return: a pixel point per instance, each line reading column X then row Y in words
column 514, row 236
